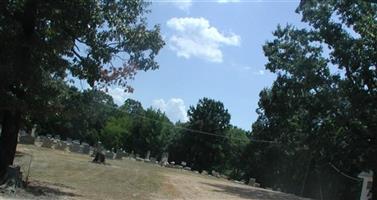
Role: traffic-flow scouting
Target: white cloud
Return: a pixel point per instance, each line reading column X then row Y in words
column 228, row 1
column 260, row 72
column 118, row 95
column 247, row 68
column 174, row 108
column 184, row 5
column 195, row 37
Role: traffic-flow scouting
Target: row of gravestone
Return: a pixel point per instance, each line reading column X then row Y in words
column 50, row 141
column 74, row 146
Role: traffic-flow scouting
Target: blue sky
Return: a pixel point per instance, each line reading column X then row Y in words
column 213, row 49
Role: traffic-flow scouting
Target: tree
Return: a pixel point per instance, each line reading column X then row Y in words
column 317, row 117
column 46, row 40
column 80, row 115
column 132, row 107
column 206, row 151
column 155, row 133
column 352, row 38
column 237, row 140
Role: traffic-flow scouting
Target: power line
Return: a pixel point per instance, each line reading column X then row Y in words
column 201, row 132
column 344, row 174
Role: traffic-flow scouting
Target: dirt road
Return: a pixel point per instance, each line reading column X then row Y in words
column 194, row 186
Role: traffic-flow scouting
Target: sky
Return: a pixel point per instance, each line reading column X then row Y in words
column 213, row 49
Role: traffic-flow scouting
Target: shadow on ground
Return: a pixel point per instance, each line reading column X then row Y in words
column 251, row 193
column 37, row 188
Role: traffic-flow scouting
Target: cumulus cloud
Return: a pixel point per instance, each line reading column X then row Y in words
column 183, row 4
column 118, row 95
column 174, row 108
column 195, row 37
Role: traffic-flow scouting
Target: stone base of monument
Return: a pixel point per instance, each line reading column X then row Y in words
column 26, row 139
column 12, row 180
column 99, row 158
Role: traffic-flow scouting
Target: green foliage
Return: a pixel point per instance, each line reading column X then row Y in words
column 138, row 130
column 316, row 117
column 237, row 141
column 45, row 40
column 200, row 150
column 80, row 115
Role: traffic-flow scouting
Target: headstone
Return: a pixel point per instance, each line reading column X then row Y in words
column 187, row 168
column 152, row 159
column 215, row 173
column 60, row 145
column 120, row 154
column 22, row 132
column 224, row 176
column 252, row 181
column 204, row 172
column 139, row 159
column 33, row 130
column 47, row 143
column 69, row 140
column 26, row 139
column 57, row 137
column 147, row 155
column 75, row 146
column 183, row 163
column 85, row 148
column 98, row 153
column 132, row 155
column 196, row 172
column 40, row 139
column 49, row 135
column 172, row 163
column 164, row 159
column 109, row 155
column 91, row 150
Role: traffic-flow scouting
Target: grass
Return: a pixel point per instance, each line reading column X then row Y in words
column 59, row 175
column 119, row 179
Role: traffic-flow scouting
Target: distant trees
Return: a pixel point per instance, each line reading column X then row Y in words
column 80, row 115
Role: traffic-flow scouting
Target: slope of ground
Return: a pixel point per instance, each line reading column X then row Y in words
column 62, row 175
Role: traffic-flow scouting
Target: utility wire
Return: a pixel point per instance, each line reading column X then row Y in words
column 344, row 174
column 201, row 132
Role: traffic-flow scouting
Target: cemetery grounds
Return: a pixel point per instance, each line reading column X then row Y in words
column 55, row 174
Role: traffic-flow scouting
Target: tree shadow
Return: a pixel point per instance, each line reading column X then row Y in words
column 252, row 192
column 49, row 189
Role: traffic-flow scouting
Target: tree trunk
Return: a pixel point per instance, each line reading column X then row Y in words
column 8, row 139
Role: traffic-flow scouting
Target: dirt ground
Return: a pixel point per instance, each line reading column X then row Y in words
column 62, row 175
column 190, row 186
